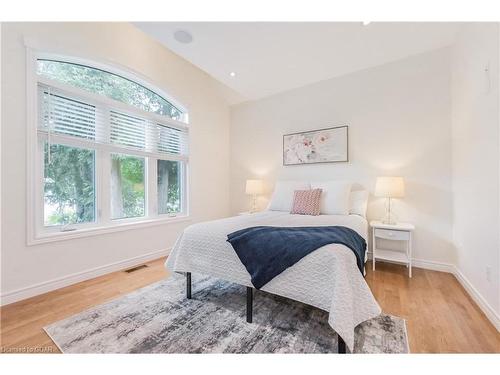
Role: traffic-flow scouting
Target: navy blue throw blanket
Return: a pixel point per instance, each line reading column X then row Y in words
column 267, row 251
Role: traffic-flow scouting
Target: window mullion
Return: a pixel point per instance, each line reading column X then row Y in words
column 151, row 170
column 104, row 192
column 151, row 137
column 103, row 127
column 152, row 188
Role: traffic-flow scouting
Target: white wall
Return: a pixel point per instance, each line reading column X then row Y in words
column 399, row 124
column 475, row 150
column 25, row 267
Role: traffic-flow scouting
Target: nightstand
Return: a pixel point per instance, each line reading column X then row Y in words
column 392, row 232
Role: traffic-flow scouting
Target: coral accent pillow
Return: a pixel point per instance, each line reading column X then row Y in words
column 306, row 202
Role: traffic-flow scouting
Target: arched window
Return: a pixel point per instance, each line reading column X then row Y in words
column 108, row 84
column 110, row 149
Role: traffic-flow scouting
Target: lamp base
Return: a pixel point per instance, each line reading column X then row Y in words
column 254, row 204
column 389, row 218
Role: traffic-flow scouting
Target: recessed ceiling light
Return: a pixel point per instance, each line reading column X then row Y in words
column 232, row 74
column 183, row 36
column 366, row 23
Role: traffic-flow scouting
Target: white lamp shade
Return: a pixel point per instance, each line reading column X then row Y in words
column 390, row 187
column 254, row 187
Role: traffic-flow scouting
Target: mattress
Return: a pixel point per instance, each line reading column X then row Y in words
column 327, row 278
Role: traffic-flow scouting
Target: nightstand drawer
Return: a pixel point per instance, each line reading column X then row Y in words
column 392, row 234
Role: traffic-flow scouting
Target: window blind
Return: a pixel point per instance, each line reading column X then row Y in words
column 66, row 116
column 128, row 130
column 171, row 141
column 69, row 115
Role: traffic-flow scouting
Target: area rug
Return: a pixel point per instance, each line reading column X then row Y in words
column 159, row 319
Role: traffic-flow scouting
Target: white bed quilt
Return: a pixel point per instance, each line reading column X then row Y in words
column 327, row 278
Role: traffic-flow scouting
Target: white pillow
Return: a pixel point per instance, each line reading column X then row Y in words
column 358, row 202
column 334, row 197
column 282, row 198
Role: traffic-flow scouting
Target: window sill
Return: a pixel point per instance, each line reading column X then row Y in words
column 95, row 231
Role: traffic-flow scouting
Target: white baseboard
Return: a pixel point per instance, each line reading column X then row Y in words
column 427, row 264
column 47, row 286
column 490, row 313
column 434, row 266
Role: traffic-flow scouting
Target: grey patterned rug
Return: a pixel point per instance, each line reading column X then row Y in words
column 159, row 319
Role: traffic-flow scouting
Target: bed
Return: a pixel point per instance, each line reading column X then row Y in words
column 327, row 278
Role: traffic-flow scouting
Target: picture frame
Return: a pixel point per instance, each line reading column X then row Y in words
column 328, row 145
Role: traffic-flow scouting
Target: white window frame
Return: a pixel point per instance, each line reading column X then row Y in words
column 37, row 232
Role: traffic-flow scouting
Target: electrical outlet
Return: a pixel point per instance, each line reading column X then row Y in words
column 488, row 274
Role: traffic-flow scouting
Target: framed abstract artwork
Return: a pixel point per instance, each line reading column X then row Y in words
column 316, row 146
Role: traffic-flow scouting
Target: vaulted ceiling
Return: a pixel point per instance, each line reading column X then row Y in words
column 268, row 58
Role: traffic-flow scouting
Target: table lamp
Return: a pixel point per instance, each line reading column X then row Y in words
column 389, row 187
column 254, row 188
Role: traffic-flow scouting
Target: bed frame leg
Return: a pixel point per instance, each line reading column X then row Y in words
column 249, row 304
column 341, row 344
column 188, row 285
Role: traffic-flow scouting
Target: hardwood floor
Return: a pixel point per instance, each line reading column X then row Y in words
column 22, row 322
column 441, row 317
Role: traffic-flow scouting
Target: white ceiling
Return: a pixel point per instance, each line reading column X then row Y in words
column 272, row 57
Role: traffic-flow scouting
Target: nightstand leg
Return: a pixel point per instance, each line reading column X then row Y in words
column 373, row 249
column 409, row 255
